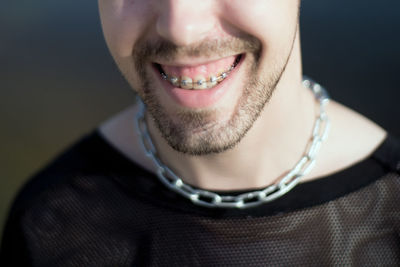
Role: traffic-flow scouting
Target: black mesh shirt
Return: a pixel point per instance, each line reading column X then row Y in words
column 94, row 207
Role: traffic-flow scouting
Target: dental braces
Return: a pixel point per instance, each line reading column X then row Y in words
column 213, row 79
column 175, row 80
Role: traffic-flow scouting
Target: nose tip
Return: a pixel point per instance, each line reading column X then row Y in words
column 182, row 23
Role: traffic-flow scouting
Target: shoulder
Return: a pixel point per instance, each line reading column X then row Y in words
column 35, row 207
column 77, row 161
column 80, row 158
column 352, row 139
column 66, row 204
column 84, row 173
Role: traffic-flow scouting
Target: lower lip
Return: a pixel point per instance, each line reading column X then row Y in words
column 200, row 98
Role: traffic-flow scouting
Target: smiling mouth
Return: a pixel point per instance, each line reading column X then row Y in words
column 184, row 77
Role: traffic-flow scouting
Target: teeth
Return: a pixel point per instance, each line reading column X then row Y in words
column 174, row 81
column 212, row 82
column 199, row 82
column 221, row 75
column 186, row 82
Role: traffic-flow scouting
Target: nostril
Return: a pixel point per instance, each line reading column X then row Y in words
column 182, row 24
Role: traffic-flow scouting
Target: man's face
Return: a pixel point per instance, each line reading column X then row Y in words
column 205, row 69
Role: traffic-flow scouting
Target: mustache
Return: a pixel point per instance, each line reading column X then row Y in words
column 165, row 50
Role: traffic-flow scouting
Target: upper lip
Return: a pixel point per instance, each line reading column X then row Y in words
column 191, row 62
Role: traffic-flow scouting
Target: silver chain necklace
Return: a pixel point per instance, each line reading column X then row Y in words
column 250, row 199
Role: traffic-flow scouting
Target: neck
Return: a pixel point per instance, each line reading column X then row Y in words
column 272, row 146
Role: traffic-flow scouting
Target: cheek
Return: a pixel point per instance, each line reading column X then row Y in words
column 123, row 22
column 271, row 21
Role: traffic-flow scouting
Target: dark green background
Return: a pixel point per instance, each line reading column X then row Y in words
column 57, row 80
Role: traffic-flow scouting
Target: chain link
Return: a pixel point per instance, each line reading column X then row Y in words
column 250, row 199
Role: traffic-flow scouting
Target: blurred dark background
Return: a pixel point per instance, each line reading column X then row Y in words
column 58, row 81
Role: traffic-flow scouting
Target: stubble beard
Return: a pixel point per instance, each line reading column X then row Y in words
column 201, row 132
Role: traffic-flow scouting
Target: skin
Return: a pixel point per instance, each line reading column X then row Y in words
column 274, row 138
column 219, row 127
